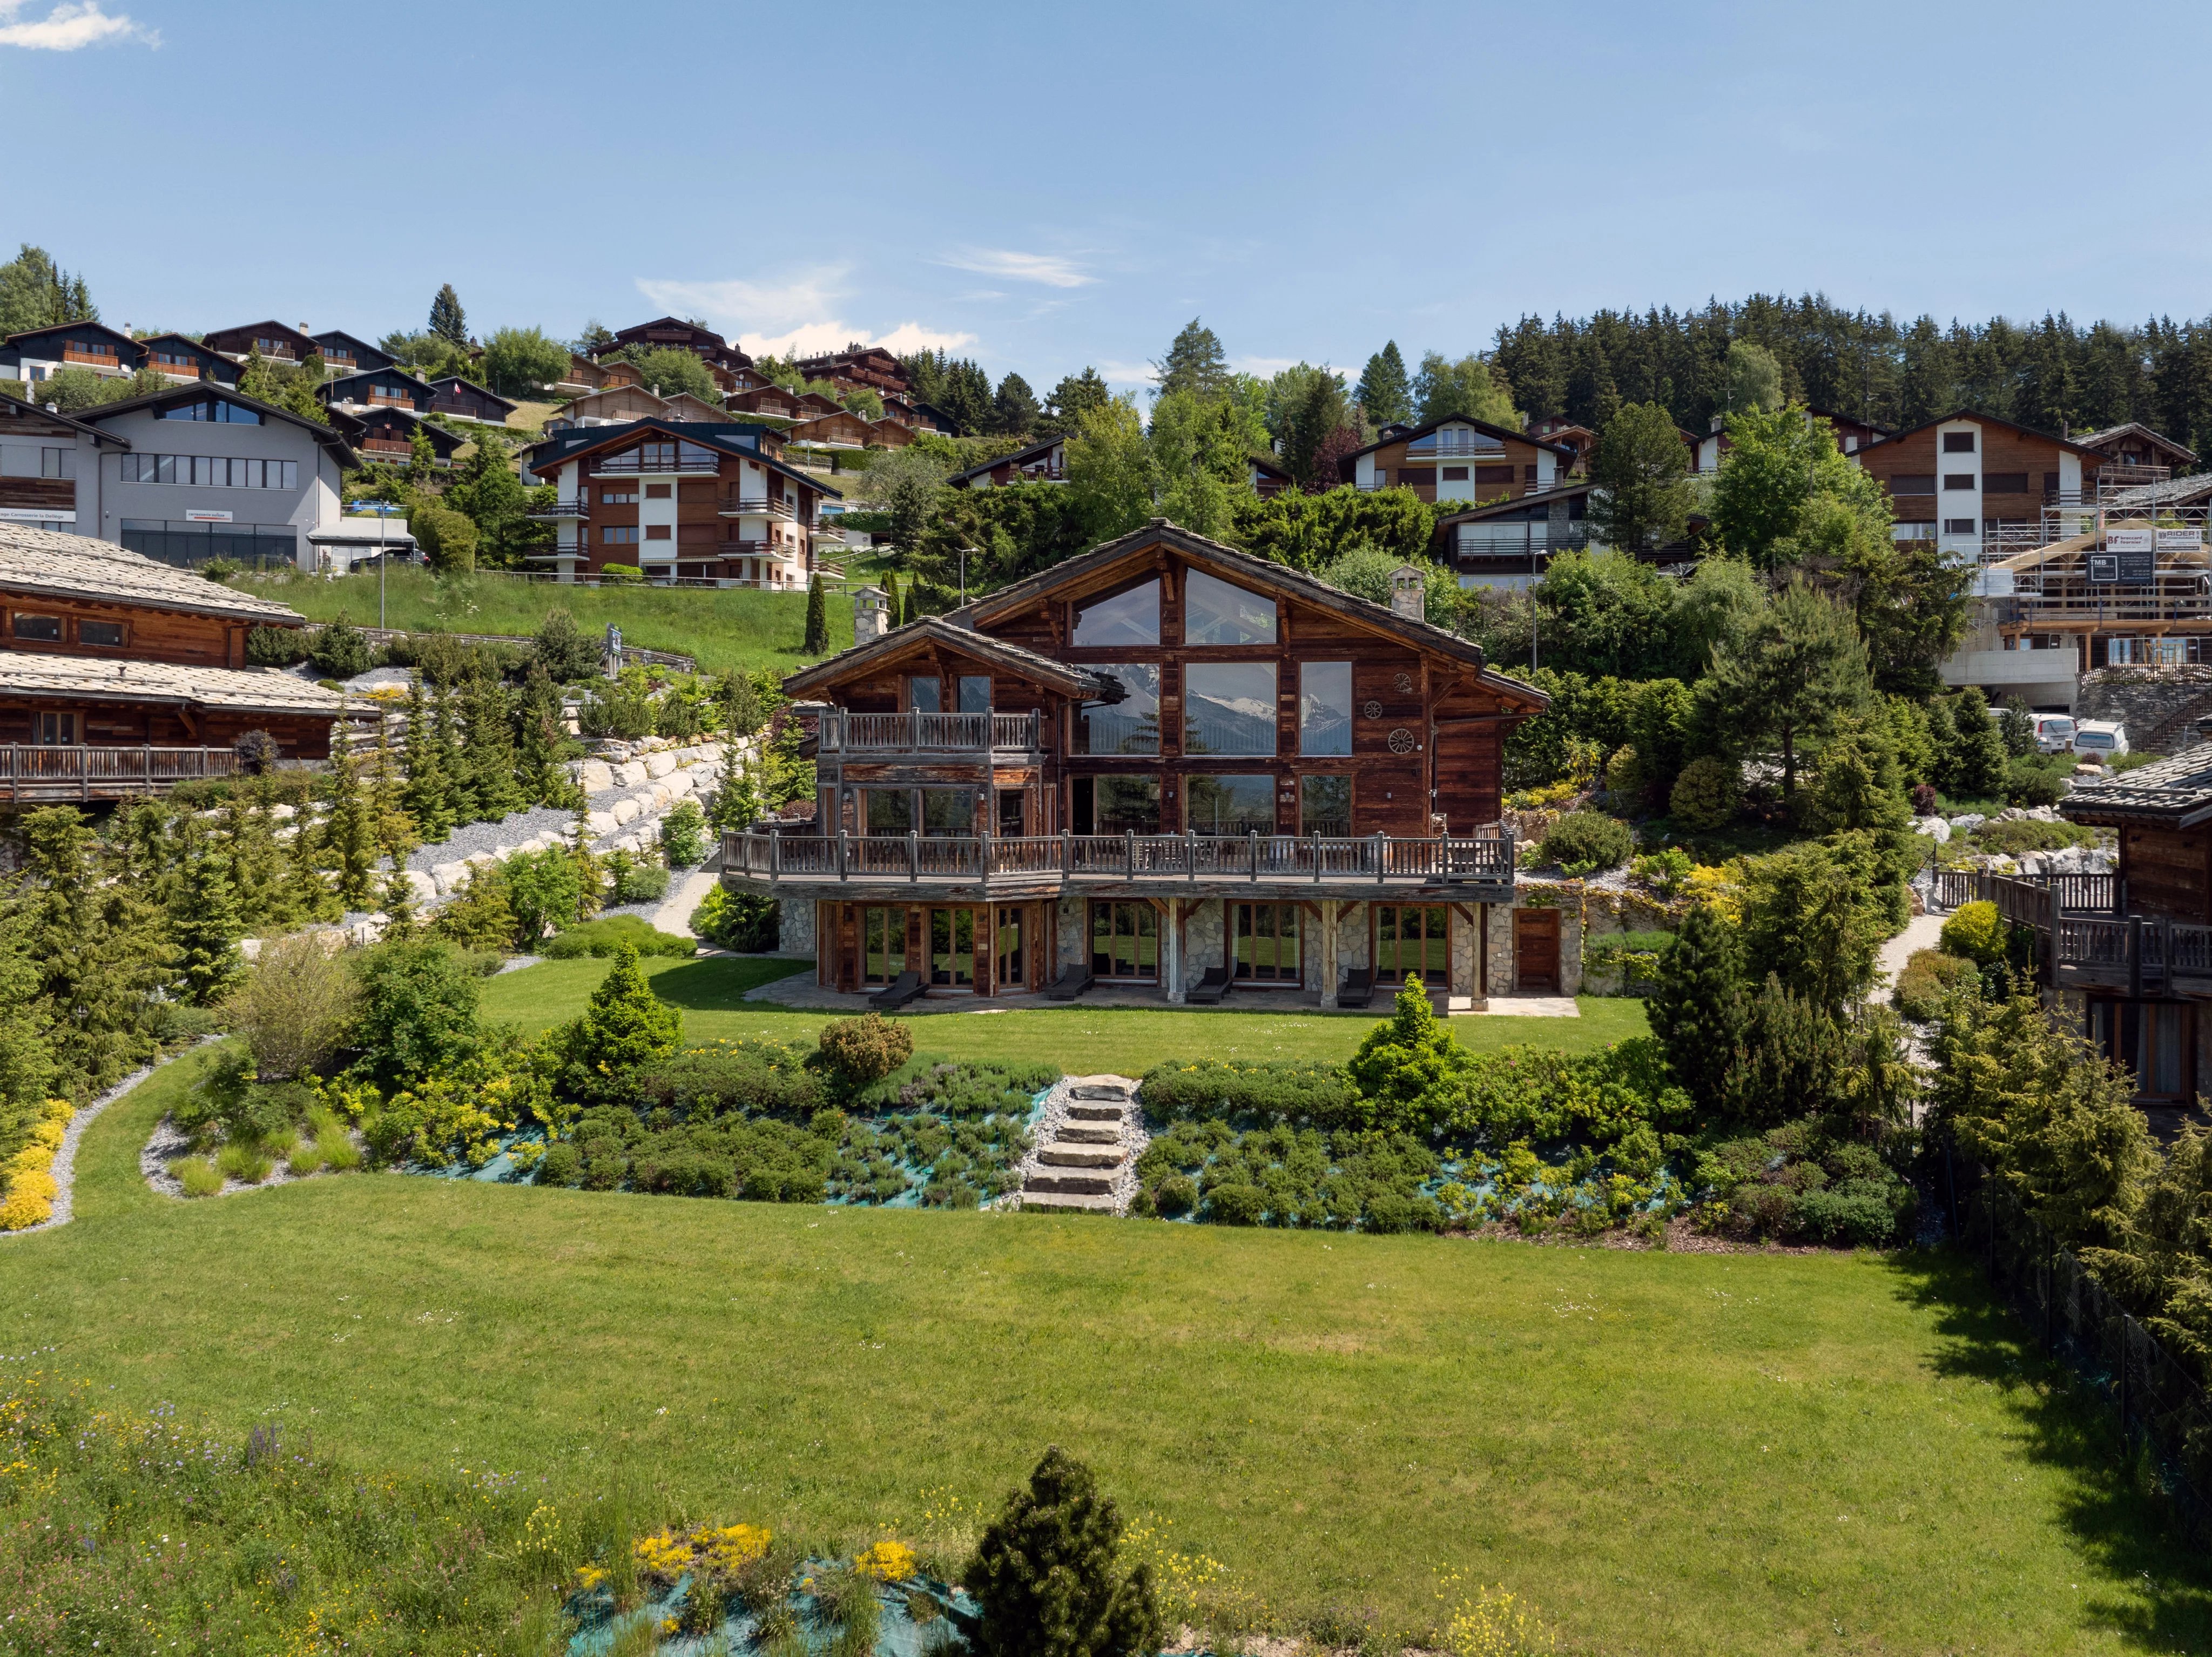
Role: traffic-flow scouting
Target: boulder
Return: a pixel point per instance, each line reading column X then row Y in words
column 424, row 888
column 600, row 822
column 629, row 774
column 680, row 783
column 447, row 877
column 595, row 777
column 625, row 810
column 1935, row 828
column 1967, row 821
column 660, row 795
column 659, row 764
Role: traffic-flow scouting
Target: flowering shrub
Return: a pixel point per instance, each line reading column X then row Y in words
column 887, row 1562
column 1485, row 1621
column 460, row 1116
column 28, row 1189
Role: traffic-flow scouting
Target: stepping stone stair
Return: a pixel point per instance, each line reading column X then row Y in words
column 1078, row 1168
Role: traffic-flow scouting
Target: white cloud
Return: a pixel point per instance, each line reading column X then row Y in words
column 1050, row 269
column 70, row 26
column 1265, row 367
column 795, row 317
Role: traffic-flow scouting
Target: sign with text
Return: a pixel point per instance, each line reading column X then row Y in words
column 2190, row 540
column 197, row 516
column 2128, row 540
column 2103, row 568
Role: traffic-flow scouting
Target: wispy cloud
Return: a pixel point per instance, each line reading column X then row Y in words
column 70, row 26
column 798, row 316
column 1051, row 268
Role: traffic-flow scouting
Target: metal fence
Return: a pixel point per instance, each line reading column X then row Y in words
column 2160, row 1402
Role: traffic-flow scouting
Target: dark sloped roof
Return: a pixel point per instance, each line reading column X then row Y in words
column 1029, row 452
column 942, row 629
column 327, row 437
column 1535, row 498
column 131, row 347
column 447, row 382
column 566, row 445
column 2091, row 438
column 330, row 388
column 2194, row 490
column 82, row 430
column 385, row 359
column 1408, row 434
column 1239, row 565
column 2172, row 793
column 272, row 329
column 1895, row 437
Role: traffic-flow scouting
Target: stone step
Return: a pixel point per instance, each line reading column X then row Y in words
column 1099, row 1090
column 1061, row 1154
column 1066, row 1201
column 1097, row 1184
column 1083, row 1113
column 1089, row 1133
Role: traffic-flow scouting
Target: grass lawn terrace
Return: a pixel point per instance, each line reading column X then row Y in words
column 724, row 629
column 1664, row 1453
column 1081, row 1040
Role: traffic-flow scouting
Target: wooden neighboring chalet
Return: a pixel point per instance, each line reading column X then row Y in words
column 122, row 674
column 1459, row 458
column 1162, row 763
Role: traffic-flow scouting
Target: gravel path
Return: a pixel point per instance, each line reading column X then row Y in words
column 473, row 838
column 64, row 1168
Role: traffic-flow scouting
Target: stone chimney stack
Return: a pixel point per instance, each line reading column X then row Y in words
column 872, row 614
column 1409, row 592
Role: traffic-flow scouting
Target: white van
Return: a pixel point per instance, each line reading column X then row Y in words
column 2102, row 739
column 2054, row 733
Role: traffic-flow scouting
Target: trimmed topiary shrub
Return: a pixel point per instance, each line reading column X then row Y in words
column 1293, row 1091
column 1585, row 842
column 1919, row 993
column 605, row 938
column 1707, row 794
column 1977, row 933
column 856, row 1052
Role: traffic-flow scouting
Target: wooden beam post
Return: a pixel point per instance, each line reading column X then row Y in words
column 1171, row 951
column 1328, row 952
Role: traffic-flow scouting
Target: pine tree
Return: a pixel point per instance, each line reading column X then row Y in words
column 1014, row 411
column 207, row 928
column 453, row 761
column 818, row 618
column 447, row 319
column 395, row 829
column 425, row 797
column 398, row 900
column 256, row 865
column 1698, row 1009
column 308, row 895
column 540, row 736
column 624, row 1029
column 1048, row 1575
column 350, row 836
column 97, row 950
column 587, row 865
column 1385, row 392
column 1195, row 362
column 1978, row 751
column 491, row 747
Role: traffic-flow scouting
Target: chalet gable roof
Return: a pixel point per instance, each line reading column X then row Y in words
column 18, row 409
column 333, row 444
column 127, row 347
column 1977, row 416
column 1408, row 434
column 728, row 439
column 235, row 689
column 1246, row 568
column 363, row 350
column 451, row 383
column 943, row 631
column 1537, row 500
column 2097, row 439
column 2174, row 793
column 268, row 330
column 51, row 563
column 1021, row 456
column 330, row 390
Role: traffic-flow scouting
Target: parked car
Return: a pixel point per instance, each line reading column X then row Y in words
column 2054, row 733
column 2101, row 739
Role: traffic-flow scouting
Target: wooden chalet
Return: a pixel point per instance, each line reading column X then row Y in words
column 1458, row 459
column 1558, row 429
column 386, row 387
column 271, row 339
column 464, row 399
column 385, row 431
column 1269, row 476
column 671, row 333
column 37, row 354
column 888, row 433
column 1979, row 486
column 770, row 402
column 122, row 674
column 1162, row 763
column 1510, row 543
column 859, row 367
column 343, row 354
column 181, row 358
column 615, row 405
column 683, row 405
column 1044, row 461
column 841, row 430
column 1851, row 435
column 682, row 501
column 2134, row 455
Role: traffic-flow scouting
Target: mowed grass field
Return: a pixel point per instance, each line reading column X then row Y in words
column 1081, row 1040
column 724, row 629
column 1667, row 1454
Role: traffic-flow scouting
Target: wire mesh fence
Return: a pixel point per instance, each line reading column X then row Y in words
column 2160, row 1402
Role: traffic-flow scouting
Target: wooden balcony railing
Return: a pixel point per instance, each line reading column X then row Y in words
column 881, row 735
column 1376, row 860
column 2025, row 899
column 2134, row 953
column 28, row 773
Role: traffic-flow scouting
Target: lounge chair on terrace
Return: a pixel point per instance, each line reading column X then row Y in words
column 897, row 993
column 1209, row 989
column 1359, row 987
column 1071, row 983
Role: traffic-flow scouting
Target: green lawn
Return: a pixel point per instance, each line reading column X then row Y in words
column 724, row 628
column 1679, row 1454
column 1082, row 1040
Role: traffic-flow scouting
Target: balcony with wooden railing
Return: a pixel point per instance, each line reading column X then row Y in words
column 739, row 506
column 1478, row 867
column 32, row 773
column 887, row 736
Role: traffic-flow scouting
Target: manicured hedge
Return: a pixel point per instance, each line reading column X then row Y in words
column 1300, row 1094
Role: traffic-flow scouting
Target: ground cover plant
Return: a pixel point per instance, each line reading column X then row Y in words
column 1728, row 1453
column 734, row 630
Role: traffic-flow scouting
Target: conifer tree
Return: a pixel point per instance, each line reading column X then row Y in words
column 587, row 865
column 1978, row 751
column 491, row 746
column 1049, row 1578
column 26, row 1051
column 256, row 866
column 93, row 983
column 1698, row 1009
column 207, row 927
column 425, row 796
column 395, row 829
column 624, row 1029
column 452, row 758
column 398, row 902
column 818, row 617
column 1385, row 391
column 894, row 600
column 308, row 894
column 541, row 734
column 351, row 835
column 447, row 319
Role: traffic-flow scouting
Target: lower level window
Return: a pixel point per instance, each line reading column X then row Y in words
column 1264, row 945
column 1011, row 962
column 882, row 944
column 1411, row 940
column 1125, row 940
column 2155, row 1040
column 952, row 946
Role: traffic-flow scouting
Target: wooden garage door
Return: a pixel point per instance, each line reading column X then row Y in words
column 1536, row 951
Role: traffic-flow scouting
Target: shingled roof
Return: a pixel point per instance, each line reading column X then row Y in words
column 45, row 560
column 2174, row 793
column 249, row 690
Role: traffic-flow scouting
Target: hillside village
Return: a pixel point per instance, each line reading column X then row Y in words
column 1651, row 793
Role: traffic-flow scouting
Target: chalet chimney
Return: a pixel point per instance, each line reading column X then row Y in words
column 1408, row 591
column 872, row 614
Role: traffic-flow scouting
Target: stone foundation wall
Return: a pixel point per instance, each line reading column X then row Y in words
column 794, row 932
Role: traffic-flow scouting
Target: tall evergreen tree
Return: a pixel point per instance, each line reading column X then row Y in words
column 540, row 738
column 1014, row 410
column 1074, row 395
column 93, row 982
column 452, row 759
column 447, row 319
column 817, row 642
column 1195, row 362
column 207, row 928
column 426, row 794
column 350, row 836
column 1697, row 1010
column 491, row 745
column 1977, row 752
column 1786, row 678
column 1385, row 392
column 1642, row 472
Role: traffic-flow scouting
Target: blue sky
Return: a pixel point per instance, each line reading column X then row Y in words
column 1047, row 187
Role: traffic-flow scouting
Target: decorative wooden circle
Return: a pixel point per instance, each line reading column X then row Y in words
column 1402, row 741
column 1403, row 684
column 1372, row 710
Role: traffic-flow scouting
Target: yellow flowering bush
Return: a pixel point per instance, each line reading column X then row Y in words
column 27, row 1187
column 712, row 1551
column 664, row 1555
column 1719, row 885
column 886, row 1562
column 1486, row 1622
